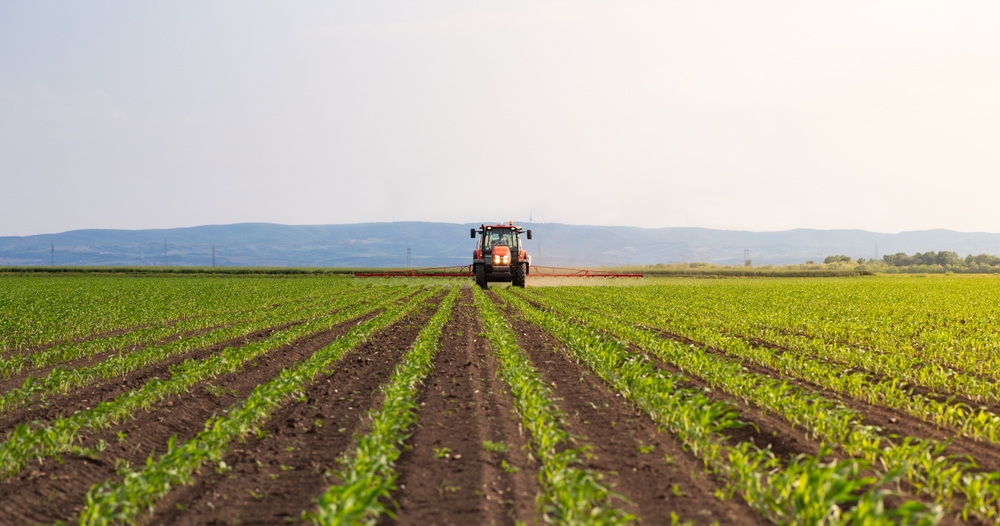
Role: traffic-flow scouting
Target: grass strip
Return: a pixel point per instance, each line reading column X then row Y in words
column 36, row 440
column 836, row 492
column 369, row 475
column 109, row 503
column 570, row 494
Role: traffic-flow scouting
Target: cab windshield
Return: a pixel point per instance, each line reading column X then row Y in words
column 498, row 237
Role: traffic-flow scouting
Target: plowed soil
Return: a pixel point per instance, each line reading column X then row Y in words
column 275, row 476
column 89, row 395
column 648, row 467
column 463, row 406
column 54, row 490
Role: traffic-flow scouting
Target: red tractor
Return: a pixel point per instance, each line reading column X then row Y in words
column 499, row 255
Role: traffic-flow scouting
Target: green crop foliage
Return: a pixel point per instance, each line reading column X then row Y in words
column 110, row 503
column 368, row 475
column 35, row 441
column 570, row 494
column 775, row 491
column 44, row 310
column 920, row 460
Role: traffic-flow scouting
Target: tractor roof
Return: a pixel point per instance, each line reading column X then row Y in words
column 500, row 225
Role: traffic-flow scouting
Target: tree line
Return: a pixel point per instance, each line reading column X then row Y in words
column 945, row 259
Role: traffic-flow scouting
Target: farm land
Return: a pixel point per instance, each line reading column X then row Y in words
column 334, row 400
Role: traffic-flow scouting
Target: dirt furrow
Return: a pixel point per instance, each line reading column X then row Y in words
column 87, row 396
column 275, row 475
column 648, row 467
column 54, row 490
column 892, row 422
column 107, row 334
column 447, row 475
column 17, row 380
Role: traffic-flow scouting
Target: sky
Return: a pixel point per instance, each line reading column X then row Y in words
column 761, row 116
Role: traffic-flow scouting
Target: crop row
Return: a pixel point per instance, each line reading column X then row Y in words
column 108, row 502
column 29, row 441
column 61, row 380
column 977, row 423
column 570, row 493
column 368, row 476
column 835, row 493
column 37, row 311
column 920, row 460
column 18, row 362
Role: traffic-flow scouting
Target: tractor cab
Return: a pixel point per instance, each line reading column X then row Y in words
column 499, row 255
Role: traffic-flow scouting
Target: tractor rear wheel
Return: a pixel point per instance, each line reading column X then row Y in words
column 518, row 276
column 481, row 277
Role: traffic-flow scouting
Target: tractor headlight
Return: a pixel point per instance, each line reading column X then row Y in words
column 501, row 260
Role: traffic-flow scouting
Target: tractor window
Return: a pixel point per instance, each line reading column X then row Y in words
column 497, row 237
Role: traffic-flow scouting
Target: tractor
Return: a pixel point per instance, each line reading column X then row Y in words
column 499, row 255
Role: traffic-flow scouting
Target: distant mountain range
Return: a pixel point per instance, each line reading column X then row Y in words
column 442, row 244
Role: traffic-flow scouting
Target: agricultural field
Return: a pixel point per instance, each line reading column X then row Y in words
column 335, row 400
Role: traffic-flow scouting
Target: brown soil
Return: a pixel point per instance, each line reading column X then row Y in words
column 54, row 490
column 275, row 477
column 108, row 334
column 463, row 405
column 656, row 481
column 17, row 380
column 894, row 424
column 89, row 395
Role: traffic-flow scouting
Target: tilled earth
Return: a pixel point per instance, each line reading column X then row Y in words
column 467, row 461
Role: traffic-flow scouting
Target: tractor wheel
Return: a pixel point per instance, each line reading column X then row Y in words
column 481, row 277
column 518, row 277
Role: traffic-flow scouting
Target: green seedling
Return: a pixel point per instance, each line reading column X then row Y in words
column 494, row 447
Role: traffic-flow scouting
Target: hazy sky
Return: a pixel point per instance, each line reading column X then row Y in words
column 741, row 115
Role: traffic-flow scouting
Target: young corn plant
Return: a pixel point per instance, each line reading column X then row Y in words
column 109, row 503
column 570, row 494
column 920, row 461
column 368, row 475
column 777, row 492
column 34, row 441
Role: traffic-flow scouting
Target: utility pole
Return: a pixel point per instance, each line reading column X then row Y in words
column 53, row 254
column 164, row 252
column 409, row 259
column 746, row 256
column 213, row 255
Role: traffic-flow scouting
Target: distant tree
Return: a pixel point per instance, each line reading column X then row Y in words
column 899, row 259
column 838, row 259
column 947, row 258
column 861, row 261
column 944, row 258
column 810, row 262
column 987, row 260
